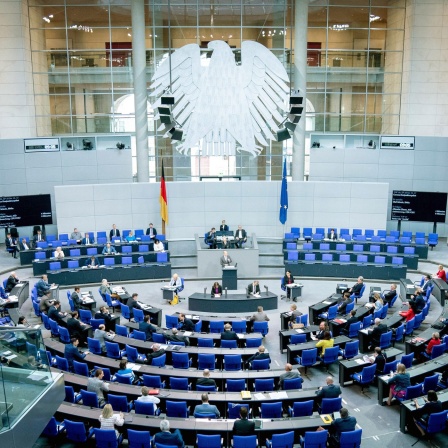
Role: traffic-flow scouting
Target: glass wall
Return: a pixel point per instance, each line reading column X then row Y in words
column 24, row 372
column 82, row 63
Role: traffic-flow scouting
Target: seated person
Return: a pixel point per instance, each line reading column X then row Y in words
column 440, row 273
column 289, row 374
column 100, row 334
column 342, row 424
column 58, row 254
column 435, row 340
column 418, row 301
column 92, row 262
column 379, row 359
column 11, row 282
column 76, row 235
column 133, row 303
column 332, row 235
column 326, row 342
column 351, row 320
column 176, row 337
column 146, row 327
column 210, row 239
column 176, row 281
column 376, row 305
column 76, row 328
column 243, row 426
column 260, row 354
column 158, row 246
column 11, row 245
column 331, row 390
column 388, row 296
column 105, row 289
column 206, row 380
column 71, row 353
column 323, row 328
column 55, row 313
column 124, row 370
column 109, row 321
column 295, row 313
column 185, row 324
column 98, row 385
column 216, row 290
column 205, row 407
column 43, row 286
column 146, row 398
column 378, row 329
column 399, row 383
column 240, row 237
column 346, row 300
column 87, row 240
column 131, row 237
column 254, row 288
column 38, row 238
column 228, row 334
column 165, row 437
column 356, row 288
column 410, row 313
column 432, row 406
column 260, row 315
column 156, row 352
column 23, row 245
column 108, row 249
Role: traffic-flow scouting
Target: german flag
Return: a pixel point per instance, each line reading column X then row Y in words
column 163, row 199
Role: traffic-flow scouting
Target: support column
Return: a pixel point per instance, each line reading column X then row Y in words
column 140, row 94
column 300, row 65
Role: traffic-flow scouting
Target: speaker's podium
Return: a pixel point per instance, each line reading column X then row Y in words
column 168, row 292
column 229, row 278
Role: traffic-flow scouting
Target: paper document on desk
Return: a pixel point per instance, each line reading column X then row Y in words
column 278, row 395
column 299, row 330
column 53, row 287
column 187, row 333
column 360, row 361
column 240, row 335
column 13, row 298
column 133, row 366
column 9, row 357
column 327, row 302
column 259, row 396
column 19, row 284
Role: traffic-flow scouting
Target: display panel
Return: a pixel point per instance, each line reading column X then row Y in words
column 418, row 206
column 20, row 211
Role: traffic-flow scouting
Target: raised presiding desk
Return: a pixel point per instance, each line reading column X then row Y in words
column 40, row 267
column 417, row 374
column 346, row 270
column 238, row 303
column 117, row 273
column 190, row 427
column 27, row 256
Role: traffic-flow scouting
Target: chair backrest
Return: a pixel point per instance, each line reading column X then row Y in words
column 392, row 249
column 95, row 323
column 154, row 381
column 309, row 356
column 205, row 342
column 407, row 360
column 405, row 240
column 310, row 257
column 271, row 410
column 292, row 384
column 390, row 366
column 385, row 339
column 260, row 364
column 139, row 439
column 350, row 307
column 344, row 258
column 353, row 330
column 159, row 361
column 291, row 246
column 253, row 342
column 162, row 257
column 207, row 361
column 113, row 350
column 367, row 321
column 119, row 403
column 121, row 330
column 143, row 248
column 126, row 260
column 85, row 316
column 361, row 258
column 75, row 431
column 410, row 326
column 324, row 246
column 109, row 261
column 228, row 343
column 379, row 259
column 264, row 385
column 375, row 248
column 216, row 326
column 307, row 246
column 327, row 257
column 203, row 388
column 332, row 311
column 330, row 405
column 171, row 321
column 438, row 350
column 180, row 360
column 302, row 408
column 75, row 252
column 351, row 349
column 232, row 362
column 245, row 442
column 397, row 260
column 293, row 255
column 341, row 247
column 94, row 346
column 238, row 326
column 126, row 249
column 297, row 339
column 351, row 439
column 430, row 382
column 437, row 422
column 176, row 409
column 89, row 398
column 55, row 265
column 420, row 241
column 315, row 439
column 261, row 327
column 81, row 368
column 125, row 311
column 414, row 391
column 236, row 385
column 138, row 315
column 105, row 438
column 64, row 335
column 198, row 326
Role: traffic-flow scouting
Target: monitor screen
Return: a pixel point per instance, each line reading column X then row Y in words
column 20, row 211
column 418, row 206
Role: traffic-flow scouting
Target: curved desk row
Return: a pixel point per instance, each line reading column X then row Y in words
column 411, row 261
column 207, row 318
column 40, row 267
column 191, row 427
column 116, row 273
column 220, row 376
column 193, row 337
column 238, row 303
column 346, row 270
column 27, row 256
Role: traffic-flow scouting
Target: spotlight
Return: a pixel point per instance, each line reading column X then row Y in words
column 294, row 118
column 163, row 110
column 371, row 144
column 167, row 100
column 176, row 133
column 283, row 134
column 120, row 145
column 295, row 110
column 70, row 146
column 166, row 119
column 290, row 126
column 87, row 144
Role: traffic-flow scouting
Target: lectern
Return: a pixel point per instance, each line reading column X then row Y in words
column 229, row 278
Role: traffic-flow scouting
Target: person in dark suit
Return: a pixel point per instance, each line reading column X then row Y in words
column 87, row 240
column 261, row 354
column 11, row 282
column 356, row 288
column 332, row 235
column 243, row 426
column 240, row 237
column 379, row 359
column 146, row 327
column 228, row 334
column 133, row 303
column 426, row 283
column 216, row 289
column 176, row 337
column 432, row 406
column 210, row 239
column 114, row 232
column 151, row 231
column 23, row 245
column 55, row 313
column 288, row 279
column 343, row 424
column 109, row 321
column 92, row 262
column 76, row 298
column 166, row 437
column 351, row 320
column 156, row 352
column 38, row 238
column 323, row 328
column 185, row 324
column 76, row 328
column 71, row 353
column 254, row 287
column 346, row 301
column 206, row 380
column 376, row 333
column 11, row 245
column 331, row 390
column 223, row 227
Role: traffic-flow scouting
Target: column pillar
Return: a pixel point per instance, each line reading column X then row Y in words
column 140, row 94
column 300, row 66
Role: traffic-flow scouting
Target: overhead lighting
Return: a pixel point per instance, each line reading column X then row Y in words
column 120, row 145
column 87, row 144
column 340, row 27
column 374, row 18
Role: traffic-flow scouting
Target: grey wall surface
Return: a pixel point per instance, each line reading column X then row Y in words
column 423, row 169
column 37, row 173
column 194, row 207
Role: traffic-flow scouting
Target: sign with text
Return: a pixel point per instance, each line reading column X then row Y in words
column 20, row 211
column 418, row 206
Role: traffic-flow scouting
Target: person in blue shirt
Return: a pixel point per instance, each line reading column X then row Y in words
column 131, row 237
column 165, row 437
column 43, row 286
column 125, row 371
column 205, row 407
column 108, row 249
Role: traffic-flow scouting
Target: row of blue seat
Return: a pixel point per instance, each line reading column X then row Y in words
column 293, row 255
column 409, row 250
column 91, row 250
column 63, row 240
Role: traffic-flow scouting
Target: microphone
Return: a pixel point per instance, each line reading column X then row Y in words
column 265, row 287
column 225, row 291
column 247, row 292
column 205, row 291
